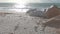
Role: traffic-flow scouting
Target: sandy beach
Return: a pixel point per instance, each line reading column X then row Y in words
column 21, row 23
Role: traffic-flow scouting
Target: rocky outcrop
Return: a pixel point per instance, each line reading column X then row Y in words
column 53, row 22
column 52, row 11
column 47, row 13
column 35, row 12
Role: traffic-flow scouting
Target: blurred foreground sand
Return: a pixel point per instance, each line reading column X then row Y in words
column 21, row 23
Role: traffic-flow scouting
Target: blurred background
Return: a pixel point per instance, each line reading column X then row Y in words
column 25, row 5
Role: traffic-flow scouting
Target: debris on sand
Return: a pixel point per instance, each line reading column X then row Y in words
column 35, row 28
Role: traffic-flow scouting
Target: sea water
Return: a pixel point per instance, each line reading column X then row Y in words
column 25, row 7
column 42, row 5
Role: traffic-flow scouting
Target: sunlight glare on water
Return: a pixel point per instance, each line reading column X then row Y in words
column 20, row 4
column 20, row 8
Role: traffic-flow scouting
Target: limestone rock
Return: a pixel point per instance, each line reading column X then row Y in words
column 53, row 22
column 52, row 11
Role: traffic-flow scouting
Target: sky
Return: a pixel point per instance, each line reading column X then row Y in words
column 32, row 1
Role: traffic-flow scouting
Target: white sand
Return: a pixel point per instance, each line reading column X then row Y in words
column 26, row 24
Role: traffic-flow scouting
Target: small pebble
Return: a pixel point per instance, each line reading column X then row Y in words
column 25, row 28
column 36, row 28
column 11, row 33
